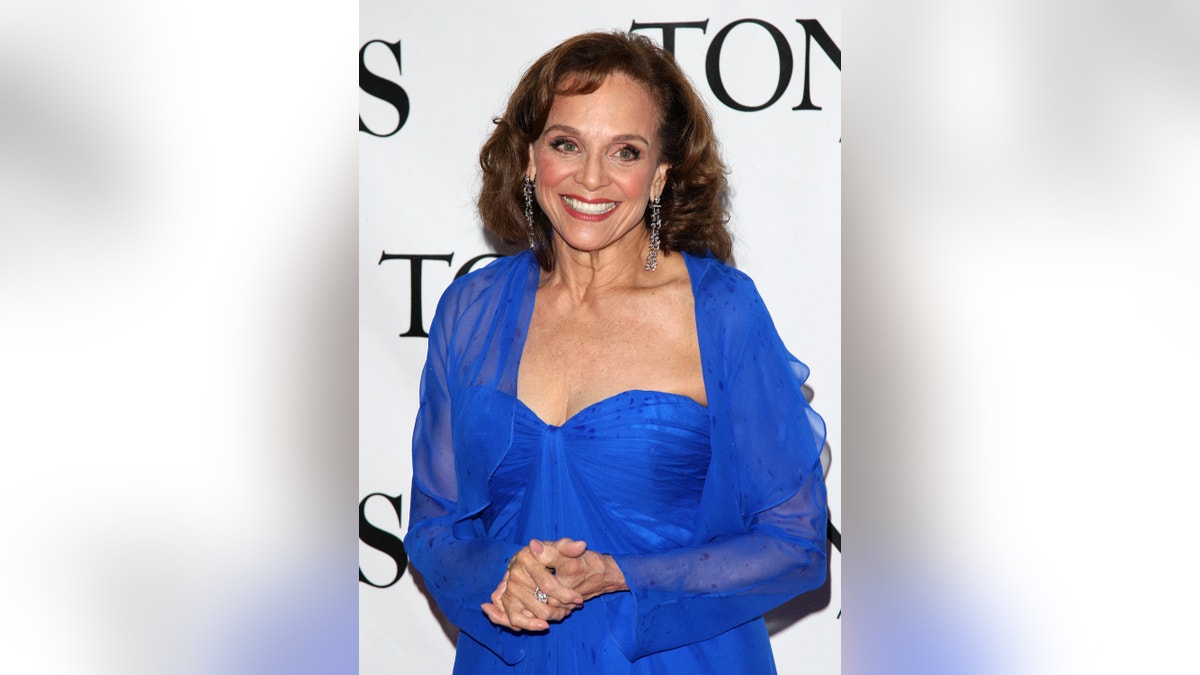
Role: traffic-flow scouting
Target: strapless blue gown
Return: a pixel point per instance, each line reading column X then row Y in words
column 714, row 514
column 625, row 475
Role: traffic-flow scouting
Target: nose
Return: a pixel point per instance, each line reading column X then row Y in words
column 593, row 174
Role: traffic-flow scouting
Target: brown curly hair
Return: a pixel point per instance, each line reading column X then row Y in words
column 693, row 209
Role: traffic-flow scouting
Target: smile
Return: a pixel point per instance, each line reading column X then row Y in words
column 588, row 208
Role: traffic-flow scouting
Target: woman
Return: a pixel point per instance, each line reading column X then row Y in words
column 614, row 467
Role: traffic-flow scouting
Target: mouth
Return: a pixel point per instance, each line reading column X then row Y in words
column 588, row 208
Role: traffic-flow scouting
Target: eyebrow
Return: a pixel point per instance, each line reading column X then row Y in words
column 575, row 132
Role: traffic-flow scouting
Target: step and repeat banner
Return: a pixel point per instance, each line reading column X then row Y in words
column 432, row 76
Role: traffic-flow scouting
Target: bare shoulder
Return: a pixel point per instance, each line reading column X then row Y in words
column 665, row 297
column 671, row 278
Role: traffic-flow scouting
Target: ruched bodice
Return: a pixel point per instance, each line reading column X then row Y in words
column 624, row 474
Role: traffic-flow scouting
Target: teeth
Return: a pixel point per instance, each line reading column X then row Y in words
column 590, row 209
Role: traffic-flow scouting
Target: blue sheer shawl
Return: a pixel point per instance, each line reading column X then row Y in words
column 762, row 516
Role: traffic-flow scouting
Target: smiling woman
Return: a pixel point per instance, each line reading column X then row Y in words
column 615, row 469
column 692, row 210
column 596, row 169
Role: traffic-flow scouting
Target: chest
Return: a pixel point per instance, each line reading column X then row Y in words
column 576, row 356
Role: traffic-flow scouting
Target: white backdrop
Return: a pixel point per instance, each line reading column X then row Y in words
column 434, row 78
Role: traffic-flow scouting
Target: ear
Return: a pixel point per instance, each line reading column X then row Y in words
column 660, row 179
column 531, row 167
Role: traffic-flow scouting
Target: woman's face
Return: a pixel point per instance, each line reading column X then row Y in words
column 597, row 165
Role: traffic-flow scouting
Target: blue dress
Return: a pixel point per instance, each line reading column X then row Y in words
column 715, row 514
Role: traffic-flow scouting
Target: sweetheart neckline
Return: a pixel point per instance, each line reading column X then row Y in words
column 612, row 397
column 522, row 337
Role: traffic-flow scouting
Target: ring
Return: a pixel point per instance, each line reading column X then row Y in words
column 541, row 597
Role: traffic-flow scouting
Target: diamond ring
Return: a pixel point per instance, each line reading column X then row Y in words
column 541, row 596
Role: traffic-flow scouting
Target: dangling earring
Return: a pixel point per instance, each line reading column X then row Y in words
column 527, row 187
column 655, row 228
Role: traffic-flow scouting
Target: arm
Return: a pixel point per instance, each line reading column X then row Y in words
column 687, row 595
column 763, row 514
column 460, row 567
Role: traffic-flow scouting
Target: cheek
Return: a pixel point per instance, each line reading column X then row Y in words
column 637, row 184
column 550, row 170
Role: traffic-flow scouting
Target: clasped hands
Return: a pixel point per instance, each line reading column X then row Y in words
column 564, row 570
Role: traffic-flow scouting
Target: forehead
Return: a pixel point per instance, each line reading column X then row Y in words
column 619, row 104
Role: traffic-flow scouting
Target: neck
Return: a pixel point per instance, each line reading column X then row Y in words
column 621, row 265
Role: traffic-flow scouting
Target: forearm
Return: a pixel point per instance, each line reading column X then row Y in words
column 689, row 594
column 461, row 573
column 746, row 564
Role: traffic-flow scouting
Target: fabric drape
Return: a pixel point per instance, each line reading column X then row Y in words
column 715, row 514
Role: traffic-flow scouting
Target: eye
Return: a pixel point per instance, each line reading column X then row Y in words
column 564, row 145
column 627, row 152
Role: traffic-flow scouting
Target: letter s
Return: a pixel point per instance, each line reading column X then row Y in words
column 381, row 88
column 381, row 540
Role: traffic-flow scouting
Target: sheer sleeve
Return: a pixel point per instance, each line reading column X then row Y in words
column 459, row 565
column 764, row 505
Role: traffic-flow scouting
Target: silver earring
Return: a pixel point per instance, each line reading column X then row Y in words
column 655, row 228
column 527, row 187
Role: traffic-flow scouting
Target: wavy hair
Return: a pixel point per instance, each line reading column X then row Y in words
column 693, row 210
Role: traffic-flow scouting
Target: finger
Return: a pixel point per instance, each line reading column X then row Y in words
column 563, row 548
column 571, row 548
column 546, row 555
column 525, row 560
column 530, row 575
column 557, row 592
column 496, row 616
column 498, row 594
column 550, row 610
column 526, row 603
column 526, row 620
column 574, row 573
